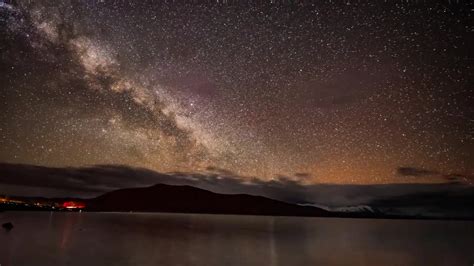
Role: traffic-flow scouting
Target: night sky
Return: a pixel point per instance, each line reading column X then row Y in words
column 354, row 92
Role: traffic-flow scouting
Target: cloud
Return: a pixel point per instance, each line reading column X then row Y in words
column 420, row 172
column 303, row 175
column 413, row 171
column 96, row 179
column 221, row 171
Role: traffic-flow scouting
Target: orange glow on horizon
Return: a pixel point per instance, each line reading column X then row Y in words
column 74, row 205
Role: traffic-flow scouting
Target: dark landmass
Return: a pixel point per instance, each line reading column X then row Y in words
column 453, row 200
column 187, row 199
column 23, row 207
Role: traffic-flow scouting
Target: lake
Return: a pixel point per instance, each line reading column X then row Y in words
column 87, row 239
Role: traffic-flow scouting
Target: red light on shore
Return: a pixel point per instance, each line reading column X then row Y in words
column 73, row 205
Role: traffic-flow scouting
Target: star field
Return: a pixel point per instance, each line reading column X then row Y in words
column 323, row 92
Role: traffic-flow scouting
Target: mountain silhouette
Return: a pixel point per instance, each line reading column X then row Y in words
column 188, row 199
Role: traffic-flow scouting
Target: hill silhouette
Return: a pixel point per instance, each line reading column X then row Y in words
column 188, row 199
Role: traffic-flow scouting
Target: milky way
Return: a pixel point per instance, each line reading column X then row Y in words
column 349, row 92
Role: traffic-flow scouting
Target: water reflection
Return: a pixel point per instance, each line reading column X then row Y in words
column 181, row 239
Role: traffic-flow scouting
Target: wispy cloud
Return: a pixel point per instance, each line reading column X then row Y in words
column 414, row 171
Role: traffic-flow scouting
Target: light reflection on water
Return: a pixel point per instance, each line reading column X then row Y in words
column 43, row 238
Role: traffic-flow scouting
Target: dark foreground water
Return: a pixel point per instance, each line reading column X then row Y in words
column 87, row 239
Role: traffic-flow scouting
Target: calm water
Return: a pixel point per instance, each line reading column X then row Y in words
column 89, row 239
